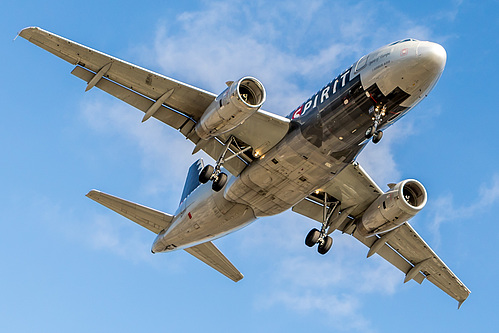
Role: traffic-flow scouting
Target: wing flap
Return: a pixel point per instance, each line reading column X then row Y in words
column 186, row 99
column 149, row 218
column 414, row 249
column 390, row 255
column 310, row 209
column 211, row 255
column 167, row 116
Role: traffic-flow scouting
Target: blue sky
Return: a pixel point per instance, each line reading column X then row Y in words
column 69, row 264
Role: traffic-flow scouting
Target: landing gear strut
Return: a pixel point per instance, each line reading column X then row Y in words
column 331, row 209
column 215, row 173
column 372, row 131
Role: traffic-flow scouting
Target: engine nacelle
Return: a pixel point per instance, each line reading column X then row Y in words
column 231, row 108
column 391, row 209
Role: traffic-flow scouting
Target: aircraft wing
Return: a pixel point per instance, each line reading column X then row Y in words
column 175, row 103
column 211, row 255
column 149, row 218
column 402, row 247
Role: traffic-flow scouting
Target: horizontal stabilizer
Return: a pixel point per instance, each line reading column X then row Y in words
column 149, row 218
column 211, row 255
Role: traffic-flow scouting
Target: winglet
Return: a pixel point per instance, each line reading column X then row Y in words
column 18, row 34
column 462, row 301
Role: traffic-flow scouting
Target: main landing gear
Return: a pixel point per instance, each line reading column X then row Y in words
column 215, row 173
column 322, row 238
column 210, row 173
column 372, row 131
column 317, row 237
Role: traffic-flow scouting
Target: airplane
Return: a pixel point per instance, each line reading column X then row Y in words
column 267, row 164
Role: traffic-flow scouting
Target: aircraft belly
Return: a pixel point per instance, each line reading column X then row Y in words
column 205, row 217
column 283, row 177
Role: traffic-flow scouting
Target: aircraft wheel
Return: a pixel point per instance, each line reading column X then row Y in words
column 325, row 246
column 206, row 173
column 220, row 182
column 369, row 132
column 312, row 237
column 377, row 136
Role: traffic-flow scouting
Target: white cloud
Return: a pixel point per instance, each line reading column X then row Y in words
column 444, row 210
column 293, row 48
column 95, row 231
column 104, row 233
column 449, row 14
column 300, row 279
column 165, row 153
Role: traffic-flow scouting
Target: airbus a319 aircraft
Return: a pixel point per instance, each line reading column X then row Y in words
column 267, row 164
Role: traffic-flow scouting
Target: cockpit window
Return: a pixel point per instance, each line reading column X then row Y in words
column 402, row 41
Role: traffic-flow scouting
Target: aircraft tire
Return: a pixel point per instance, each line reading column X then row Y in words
column 377, row 136
column 220, row 182
column 206, row 173
column 369, row 132
column 325, row 246
column 312, row 237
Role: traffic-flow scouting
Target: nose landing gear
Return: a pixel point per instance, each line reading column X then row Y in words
column 372, row 131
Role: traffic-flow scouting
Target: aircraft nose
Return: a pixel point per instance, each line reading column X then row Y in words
column 432, row 56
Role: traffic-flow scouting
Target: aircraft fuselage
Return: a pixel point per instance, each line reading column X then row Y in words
column 327, row 132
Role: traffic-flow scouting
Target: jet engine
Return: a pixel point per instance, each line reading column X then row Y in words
column 391, row 209
column 231, row 108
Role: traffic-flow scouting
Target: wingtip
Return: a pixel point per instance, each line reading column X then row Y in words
column 25, row 33
column 91, row 193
